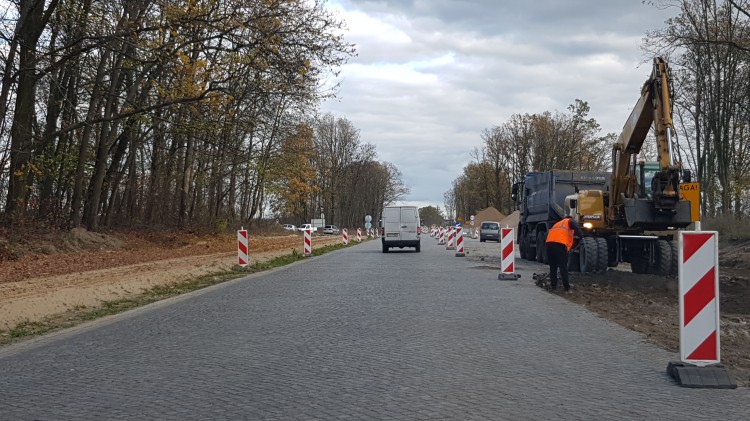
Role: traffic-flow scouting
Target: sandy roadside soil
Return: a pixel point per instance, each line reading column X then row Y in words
column 36, row 298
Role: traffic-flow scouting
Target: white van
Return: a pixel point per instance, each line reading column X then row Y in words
column 400, row 227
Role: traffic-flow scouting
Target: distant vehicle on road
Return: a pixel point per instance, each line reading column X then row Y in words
column 290, row 227
column 489, row 230
column 331, row 229
column 401, row 227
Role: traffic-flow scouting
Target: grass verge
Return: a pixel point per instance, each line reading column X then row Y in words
column 81, row 314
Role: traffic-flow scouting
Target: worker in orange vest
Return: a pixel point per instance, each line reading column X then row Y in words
column 560, row 240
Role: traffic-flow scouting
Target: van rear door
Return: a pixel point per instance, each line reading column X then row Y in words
column 409, row 223
column 392, row 223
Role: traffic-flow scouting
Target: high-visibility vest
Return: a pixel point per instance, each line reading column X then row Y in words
column 561, row 233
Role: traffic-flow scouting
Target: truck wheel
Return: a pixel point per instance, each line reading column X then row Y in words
column 541, row 247
column 522, row 247
column 663, row 257
column 675, row 266
column 602, row 254
column 588, row 255
column 530, row 251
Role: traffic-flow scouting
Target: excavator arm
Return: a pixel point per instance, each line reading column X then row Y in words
column 654, row 108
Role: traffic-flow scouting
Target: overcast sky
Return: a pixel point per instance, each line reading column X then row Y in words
column 431, row 75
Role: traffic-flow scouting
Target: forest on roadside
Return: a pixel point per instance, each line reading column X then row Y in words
column 181, row 113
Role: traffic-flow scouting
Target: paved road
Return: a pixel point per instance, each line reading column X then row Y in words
column 361, row 335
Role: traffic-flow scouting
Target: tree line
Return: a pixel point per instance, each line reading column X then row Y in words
column 707, row 45
column 177, row 112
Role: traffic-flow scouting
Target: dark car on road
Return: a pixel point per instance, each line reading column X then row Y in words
column 489, row 230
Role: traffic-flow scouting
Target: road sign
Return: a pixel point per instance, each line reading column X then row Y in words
column 471, row 218
column 459, row 219
column 368, row 225
column 368, row 218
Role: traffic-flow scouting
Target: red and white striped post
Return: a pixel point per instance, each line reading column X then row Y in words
column 699, row 297
column 507, row 255
column 359, row 235
column 451, row 239
column 700, row 350
column 242, row 248
column 308, row 243
column 345, row 236
column 441, row 237
column 460, row 242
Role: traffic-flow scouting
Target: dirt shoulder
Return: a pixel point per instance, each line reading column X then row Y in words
column 36, row 285
column 649, row 304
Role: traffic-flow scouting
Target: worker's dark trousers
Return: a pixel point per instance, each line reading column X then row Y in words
column 557, row 255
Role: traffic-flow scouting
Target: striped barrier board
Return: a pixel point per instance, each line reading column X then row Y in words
column 507, row 255
column 460, row 242
column 308, row 243
column 242, row 248
column 700, row 348
column 345, row 234
column 359, row 235
column 451, row 244
column 699, row 298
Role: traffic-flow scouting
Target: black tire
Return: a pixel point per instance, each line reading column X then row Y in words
column 663, row 254
column 612, row 252
column 602, row 254
column 530, row 251
column 418, row 247
column 522, row 247
column 588, row 255
column 574, row 262
column 541, row 254
column 639, row 264
column 675, row 266
column 385, row 248
column 481, row 240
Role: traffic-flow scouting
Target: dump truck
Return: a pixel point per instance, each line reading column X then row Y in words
column 636, row 213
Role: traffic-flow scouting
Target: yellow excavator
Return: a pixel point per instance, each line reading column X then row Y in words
column 635, row 218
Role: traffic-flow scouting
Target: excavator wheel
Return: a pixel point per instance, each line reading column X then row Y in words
column 574, row 262
column 588, row 255
column 674, row 268
column 612, row 252
column 663, row 254
column 602, row 254
column 639, row 263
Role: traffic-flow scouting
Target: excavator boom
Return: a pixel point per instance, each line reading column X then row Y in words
column 653, row 109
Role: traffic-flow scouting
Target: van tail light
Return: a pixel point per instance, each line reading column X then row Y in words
column 419, row 230
column 382, row 231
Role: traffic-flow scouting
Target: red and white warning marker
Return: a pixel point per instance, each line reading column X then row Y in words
column 308, row 243
column 345, row 233
column 359, row 235
column 441, row 237
column 460, row 242
column 507, row 255
column 451, row 245
column 242, row 248
column 699, row 297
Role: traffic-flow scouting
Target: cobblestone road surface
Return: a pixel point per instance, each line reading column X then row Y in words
column 356, row 334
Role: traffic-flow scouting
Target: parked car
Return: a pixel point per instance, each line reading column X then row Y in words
column 290, row 227
column 331, row 229
column 305, row 227
column 489, row 230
